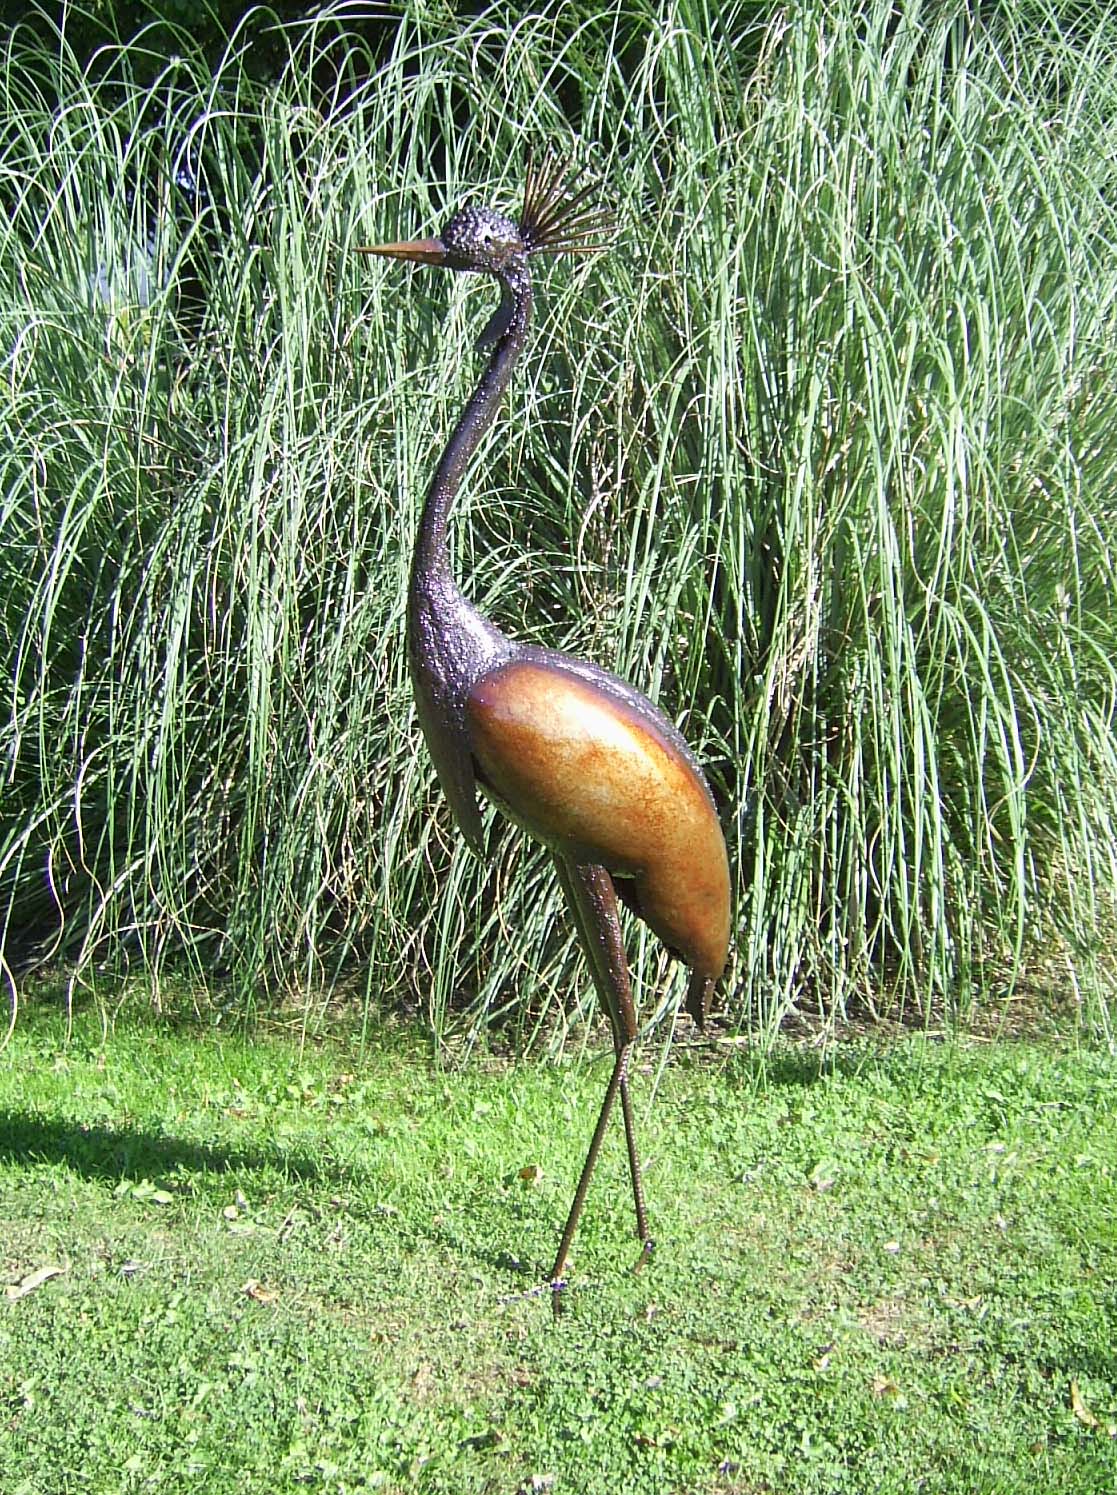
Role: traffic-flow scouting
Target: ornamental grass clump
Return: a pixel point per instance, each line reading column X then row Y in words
column 820, row 455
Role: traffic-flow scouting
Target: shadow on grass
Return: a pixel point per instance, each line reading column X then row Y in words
column 115, row 1153
column 788, row 1067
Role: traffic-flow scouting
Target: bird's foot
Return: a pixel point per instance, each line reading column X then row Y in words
column 558, row 1287
column 646, row 1253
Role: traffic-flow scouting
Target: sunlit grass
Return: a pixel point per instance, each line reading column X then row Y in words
column 883, row 1269
column 820, row 455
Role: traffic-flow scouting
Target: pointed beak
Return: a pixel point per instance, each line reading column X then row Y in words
column 422, row 251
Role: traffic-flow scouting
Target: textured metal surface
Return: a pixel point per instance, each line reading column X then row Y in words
column 449, row 644
column 575, row 755
column 598, row 782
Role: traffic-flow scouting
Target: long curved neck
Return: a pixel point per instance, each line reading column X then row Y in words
column 509, row 327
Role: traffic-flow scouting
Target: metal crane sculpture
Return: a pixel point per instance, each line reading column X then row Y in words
column 569, row 752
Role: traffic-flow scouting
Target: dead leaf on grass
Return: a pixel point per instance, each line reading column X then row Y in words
column 28, row 1284
column 824, row 1175
column 1077, row 1405
column 665, row 1438
column 886, row 1387
column 259, row 1292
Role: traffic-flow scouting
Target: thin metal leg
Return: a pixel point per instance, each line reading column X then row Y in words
column 615, row 1079
column 592, row 898
column 635, row 1173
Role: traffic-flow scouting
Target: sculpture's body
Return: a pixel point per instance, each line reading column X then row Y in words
column 571, row 753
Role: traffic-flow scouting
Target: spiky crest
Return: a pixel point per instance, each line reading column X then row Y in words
column 558, row 215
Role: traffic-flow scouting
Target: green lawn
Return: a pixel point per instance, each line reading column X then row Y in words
column 883, row 1270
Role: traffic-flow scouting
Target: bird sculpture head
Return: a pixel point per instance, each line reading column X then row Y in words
column 557, row 218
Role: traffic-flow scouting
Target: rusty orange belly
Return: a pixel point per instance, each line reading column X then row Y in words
column 592, row 777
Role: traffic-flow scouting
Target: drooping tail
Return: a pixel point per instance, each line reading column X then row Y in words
column 699, row 993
